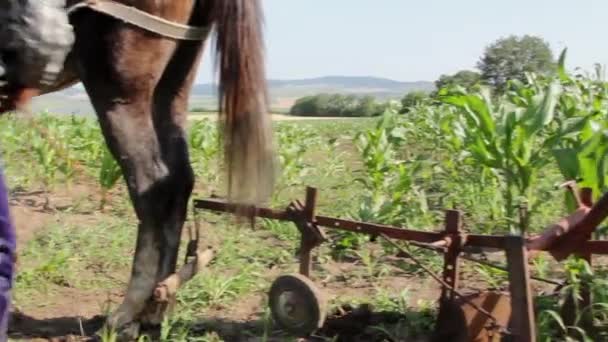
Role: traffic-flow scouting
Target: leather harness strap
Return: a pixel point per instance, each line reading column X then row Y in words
column 144, row 20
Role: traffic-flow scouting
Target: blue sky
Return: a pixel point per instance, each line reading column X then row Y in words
column 418, row 40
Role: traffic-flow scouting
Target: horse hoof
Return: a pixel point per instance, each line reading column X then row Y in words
column 122, row 325
column 154, row 313
column 129, row 332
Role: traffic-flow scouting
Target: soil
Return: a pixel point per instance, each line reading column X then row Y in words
column 30, row 215
column 57, row 317
column 275, row 117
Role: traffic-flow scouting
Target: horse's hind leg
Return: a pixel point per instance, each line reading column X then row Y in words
column 122, row 70
column 170, row 114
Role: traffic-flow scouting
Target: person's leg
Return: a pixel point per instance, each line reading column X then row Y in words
column 7, row 251
column 5, row 305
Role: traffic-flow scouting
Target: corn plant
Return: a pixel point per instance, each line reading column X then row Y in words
column 552, row 325
column 293, row 143
column 47, row 162
column 49, row 140
column 581, row 153
column 508, row 135
column 85, row 140
column 203, row 139
column 434, row 134
column 109, row 174
column 391, row 190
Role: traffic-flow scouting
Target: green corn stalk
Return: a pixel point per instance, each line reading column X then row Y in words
column 205, row 146
column 508, row 135
column 389, row 178
column 47, row 161
column 581, row 153
column 586, row 162
column 291, row 153
column 109, row 174
column 84, row 138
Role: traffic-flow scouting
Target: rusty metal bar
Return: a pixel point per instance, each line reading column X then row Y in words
column 505, row 269
column 451, row 266
column 580, row 233
column 450, row 259
column 522, row 323
column 481, row 262
column 325, row 221
column 377, row 229
column 585, row 300
column 484, row 241
column 307, row 242
column 586, row 197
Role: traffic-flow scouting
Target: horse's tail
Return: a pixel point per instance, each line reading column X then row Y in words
column 243, row 99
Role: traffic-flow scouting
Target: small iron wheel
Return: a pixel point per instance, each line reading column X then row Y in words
column 296, row 304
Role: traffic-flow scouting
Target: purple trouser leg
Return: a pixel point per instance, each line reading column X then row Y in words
column 7, row 248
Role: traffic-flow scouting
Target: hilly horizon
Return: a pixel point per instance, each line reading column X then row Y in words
column 283, row 92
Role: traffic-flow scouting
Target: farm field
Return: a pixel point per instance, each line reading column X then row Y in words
column 76, row 229
column 211, row 116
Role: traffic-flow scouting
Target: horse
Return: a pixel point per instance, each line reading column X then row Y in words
column 139, row 83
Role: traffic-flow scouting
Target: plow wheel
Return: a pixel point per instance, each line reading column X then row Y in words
column 296, row 304
column 461, row 322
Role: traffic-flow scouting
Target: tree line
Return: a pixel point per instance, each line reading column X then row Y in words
column 337, row 105
column 507, row 59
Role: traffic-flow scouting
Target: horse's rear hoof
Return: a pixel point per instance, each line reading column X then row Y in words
column 123, row 332
column 129, row 332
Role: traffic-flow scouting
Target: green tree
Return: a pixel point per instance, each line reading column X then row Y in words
column 463, row 78
column 337, row 105
column 304, row 106
column 512, row 57
column 367, row 106
column 412, row 99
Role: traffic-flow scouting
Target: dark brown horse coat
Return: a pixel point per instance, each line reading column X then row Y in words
column 139, row 84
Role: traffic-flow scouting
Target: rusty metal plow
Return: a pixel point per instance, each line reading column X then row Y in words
column 494, row 326
column 298, row 306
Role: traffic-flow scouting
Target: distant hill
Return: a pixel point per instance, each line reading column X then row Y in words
column 282, row 92
column 354, row 82
column 344, row 84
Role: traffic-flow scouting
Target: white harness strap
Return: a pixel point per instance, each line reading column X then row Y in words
column 146, row 21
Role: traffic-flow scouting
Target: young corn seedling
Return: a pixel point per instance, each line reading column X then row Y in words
column 109, row 174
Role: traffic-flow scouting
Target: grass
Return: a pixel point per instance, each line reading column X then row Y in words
column 94, row 256
column 87, row 253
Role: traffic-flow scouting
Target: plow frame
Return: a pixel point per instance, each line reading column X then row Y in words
column 452, row 241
